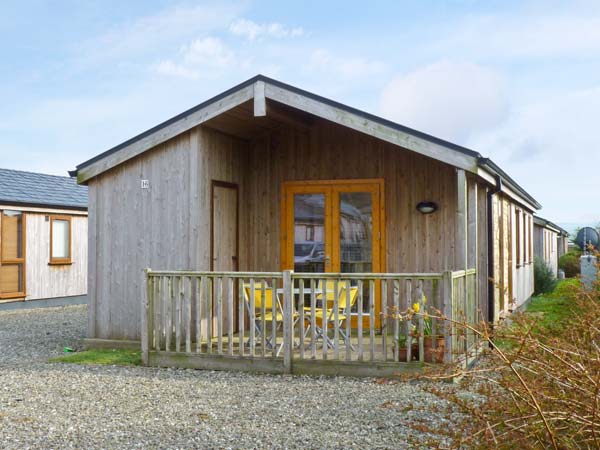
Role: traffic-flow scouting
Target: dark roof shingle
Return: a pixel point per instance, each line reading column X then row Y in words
column 18, row 187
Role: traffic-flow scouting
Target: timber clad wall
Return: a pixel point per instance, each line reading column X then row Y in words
column 163, row 227
column 415, row 242
column 48, row 281
column 546, row 246
column 482, row 244
column 43, row 280
column 167, row 227
column 513, row 268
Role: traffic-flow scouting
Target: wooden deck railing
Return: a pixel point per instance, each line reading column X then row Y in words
column 283, row 322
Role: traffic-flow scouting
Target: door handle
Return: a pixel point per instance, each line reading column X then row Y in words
column 327, row 261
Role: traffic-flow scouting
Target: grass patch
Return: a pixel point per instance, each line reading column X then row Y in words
column 550, row 312
column 120, row 357
column 554, row 309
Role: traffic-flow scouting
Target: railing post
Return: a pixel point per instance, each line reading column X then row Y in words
column 448, row 308
column 288, row 320
column 146, row 319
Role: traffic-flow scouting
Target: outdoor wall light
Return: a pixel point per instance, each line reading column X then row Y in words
column 427, row 207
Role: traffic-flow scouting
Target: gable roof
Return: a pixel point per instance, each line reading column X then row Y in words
column 37, row 189
column 260, row 88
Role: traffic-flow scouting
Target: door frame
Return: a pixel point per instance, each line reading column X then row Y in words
column 18, row 261
column 226, row 185
column 289, row 188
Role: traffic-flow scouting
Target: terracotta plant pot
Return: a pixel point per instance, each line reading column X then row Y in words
column 414, row 354
column 434, row 355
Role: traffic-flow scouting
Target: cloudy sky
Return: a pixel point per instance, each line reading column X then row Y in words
column 516, row 81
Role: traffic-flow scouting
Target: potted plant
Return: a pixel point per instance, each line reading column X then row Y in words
column 403, row 350
column 432, row 354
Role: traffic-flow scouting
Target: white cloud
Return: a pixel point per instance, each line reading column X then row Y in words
column 551, row 148
column 171, row 68
column 208, row 51
column 157, row 33
column 324, row 61
column 525, row 35
column 202, row 57
column 77, row 128
column 447, row 99
column 252, row 30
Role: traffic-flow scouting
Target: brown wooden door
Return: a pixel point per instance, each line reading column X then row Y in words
column 12, row 254
column 224, row 238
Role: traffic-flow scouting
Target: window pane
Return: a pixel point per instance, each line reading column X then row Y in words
column 60, row 239
column 12, row 235
column 356, row 229
column 11, row 278
column 309, row 232
column 356, row 237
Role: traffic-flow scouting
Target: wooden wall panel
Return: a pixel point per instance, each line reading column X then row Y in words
column 414, row 242
column 482, row 248
column 514, row 284
column 163, row 227
column 167, row 225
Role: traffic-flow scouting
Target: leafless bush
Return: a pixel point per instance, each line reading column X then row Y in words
column 536, row 387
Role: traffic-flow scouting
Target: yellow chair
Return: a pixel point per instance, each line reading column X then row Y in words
column 258, row 302
column 328, row 293
column 268, row 317
column 326, row 316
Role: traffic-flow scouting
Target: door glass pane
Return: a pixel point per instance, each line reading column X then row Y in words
column 309, row 232
column 11, row 278
column 356, row 236
column 12, row 235
column 60, row 238
column 356, row 232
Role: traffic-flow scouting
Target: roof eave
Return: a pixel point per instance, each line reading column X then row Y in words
column 413, row 140
column 551, row 225
column 277, row 91
column 42, row 205
column 493, row 168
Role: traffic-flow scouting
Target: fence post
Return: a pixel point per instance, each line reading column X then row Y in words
column 146, row 320
column 288, row 320
column 448, row 308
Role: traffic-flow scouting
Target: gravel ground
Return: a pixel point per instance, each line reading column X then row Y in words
column 51, row 405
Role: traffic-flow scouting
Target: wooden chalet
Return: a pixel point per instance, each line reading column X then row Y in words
column 285, row 232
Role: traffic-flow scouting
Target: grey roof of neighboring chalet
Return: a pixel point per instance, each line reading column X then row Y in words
column 37, row 189
column 546, row 223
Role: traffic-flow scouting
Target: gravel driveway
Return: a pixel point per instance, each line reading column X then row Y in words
column 50, row 405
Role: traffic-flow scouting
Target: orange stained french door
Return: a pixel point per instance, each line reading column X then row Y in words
column 335, row 227
column 12, row 254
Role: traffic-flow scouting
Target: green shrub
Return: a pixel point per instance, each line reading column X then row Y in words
column 569, row 262
column 543, row 279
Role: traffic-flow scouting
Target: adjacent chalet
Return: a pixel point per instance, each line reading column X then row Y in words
column 550, row 242
column 43, row 237
column 284, row 232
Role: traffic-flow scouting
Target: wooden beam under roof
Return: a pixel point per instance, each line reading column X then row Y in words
column 370, row 127
column 164, row 133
